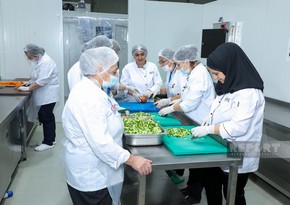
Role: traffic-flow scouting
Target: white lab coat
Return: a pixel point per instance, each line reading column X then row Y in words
column 240, row 116
column 197, row 94
column 143, row 79
column 93, row 152
column 175, row 85
column 43, row 73
column 74, row 75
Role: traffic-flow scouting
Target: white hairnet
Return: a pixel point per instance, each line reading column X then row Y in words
column 139, row 48
column 116, row 46
column 34, row 50
column 186, row 53
column 97, row 60
column 96, row 42
column 167, row 53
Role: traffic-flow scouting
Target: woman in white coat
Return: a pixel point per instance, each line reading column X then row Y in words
column 142, row 75
column 237, row 112
column 198, row 92
column 93, row 152
column 44, row 85
column 74, row 74
column 174, row 79
column 195, row 101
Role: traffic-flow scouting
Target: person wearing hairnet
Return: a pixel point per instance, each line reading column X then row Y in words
column 116, row 46
column 44, row 85
column 174, row 78
column 142, row 75
column 196, row 98
column 74, row 75
column 93, row 151
column 173, row 83
column 198, row 92
column 237, row 112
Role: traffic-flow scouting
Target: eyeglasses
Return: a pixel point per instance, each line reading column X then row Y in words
column 162, row 62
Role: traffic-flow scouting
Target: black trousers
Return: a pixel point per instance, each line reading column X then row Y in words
column 46, row 117
column 100, row 197
column 208, row 178
column 240, row 191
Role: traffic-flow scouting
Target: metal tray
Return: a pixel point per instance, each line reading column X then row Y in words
column 143, row 140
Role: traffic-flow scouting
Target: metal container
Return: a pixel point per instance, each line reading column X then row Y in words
column 143, row 140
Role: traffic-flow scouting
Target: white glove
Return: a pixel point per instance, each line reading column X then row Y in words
column 162, row 103
column 119, row 107
column 23, row 88
column 155, row 92
column 166, row 111
column 147, row 94
column 137, row 96
column 202, row 130
column 133, row 89
column 175, row 102
column 206, row 121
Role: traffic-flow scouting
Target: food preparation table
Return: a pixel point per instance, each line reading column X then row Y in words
column 12, row 91
column 163, row 159
column 12, row 134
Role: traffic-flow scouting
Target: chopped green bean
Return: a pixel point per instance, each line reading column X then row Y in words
column 178, row 132
column 139, row 125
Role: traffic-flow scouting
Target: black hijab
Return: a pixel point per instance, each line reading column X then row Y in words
column 240, row 73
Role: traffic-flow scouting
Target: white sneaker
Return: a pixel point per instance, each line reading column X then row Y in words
column 54, row 143
column 43, row 147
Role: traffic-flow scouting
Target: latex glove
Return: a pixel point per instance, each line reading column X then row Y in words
column 23, row 88
column 206, row 121
column 175, row 102
column 148, row 94
column 137, row 96
column 28, row 83
column 119, row 107
column 162, row 103
column 122, row 108
column 166, row 111
column 202, row 130
column 155, row 92
column 133, row 89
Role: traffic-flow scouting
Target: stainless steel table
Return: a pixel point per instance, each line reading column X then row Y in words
column 12, row 134
column 163, row 159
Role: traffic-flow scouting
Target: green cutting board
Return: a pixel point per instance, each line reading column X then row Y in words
column 186, row 146
column 164, row 120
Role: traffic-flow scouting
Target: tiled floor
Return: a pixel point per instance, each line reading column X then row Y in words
column 40, row 180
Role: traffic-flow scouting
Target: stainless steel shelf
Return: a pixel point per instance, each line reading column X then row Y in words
column 275, row 170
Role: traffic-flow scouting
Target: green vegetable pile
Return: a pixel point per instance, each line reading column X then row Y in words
column 178, row 132
column 139, row 114
column 139, row 125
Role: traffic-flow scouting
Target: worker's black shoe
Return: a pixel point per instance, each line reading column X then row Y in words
column 190, row 199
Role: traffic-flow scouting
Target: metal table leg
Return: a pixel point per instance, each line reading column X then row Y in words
column 232, row 184
column 141, row 190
